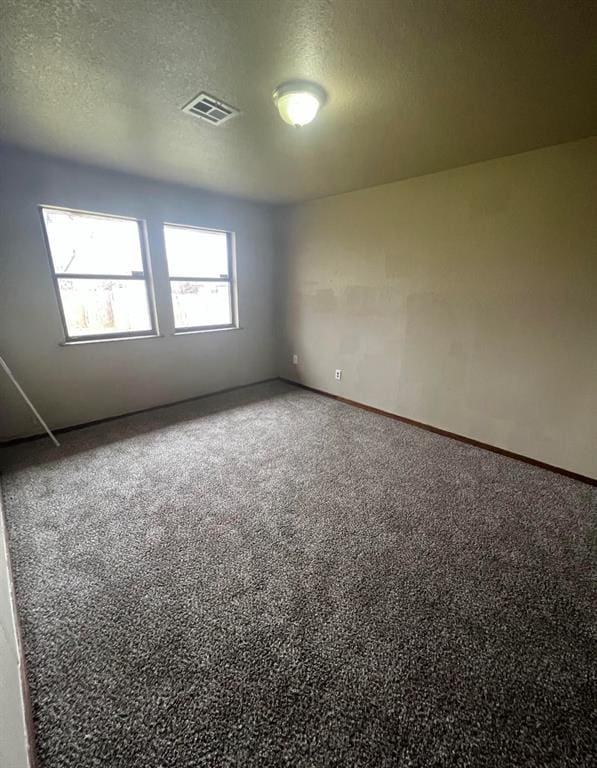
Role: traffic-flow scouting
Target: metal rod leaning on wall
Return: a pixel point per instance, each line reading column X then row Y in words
column 29, row 403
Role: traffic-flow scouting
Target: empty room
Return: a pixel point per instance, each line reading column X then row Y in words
column 298, row 384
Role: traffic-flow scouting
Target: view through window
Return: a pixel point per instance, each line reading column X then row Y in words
column 200, row 269
column 100, row 274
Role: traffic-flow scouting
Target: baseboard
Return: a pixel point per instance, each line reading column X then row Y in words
column 355, row 403
column 446, row 433
column 83, row 425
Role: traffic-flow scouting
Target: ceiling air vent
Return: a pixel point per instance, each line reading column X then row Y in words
column 210, row 109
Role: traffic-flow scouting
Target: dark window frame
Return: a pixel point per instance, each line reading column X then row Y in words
column 145, row 276
column 230, row 279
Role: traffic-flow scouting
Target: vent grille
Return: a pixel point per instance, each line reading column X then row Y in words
column 210, row 109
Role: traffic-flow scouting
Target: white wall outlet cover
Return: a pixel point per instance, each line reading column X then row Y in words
column 338, row 374
column 295, row 359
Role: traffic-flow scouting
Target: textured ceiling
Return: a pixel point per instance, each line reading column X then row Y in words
column 414, row 86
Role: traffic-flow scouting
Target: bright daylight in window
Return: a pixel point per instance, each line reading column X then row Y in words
column 200, row 269
column 100, row 274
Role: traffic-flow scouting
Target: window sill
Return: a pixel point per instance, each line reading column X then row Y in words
column 208, row 330
column 79, row 342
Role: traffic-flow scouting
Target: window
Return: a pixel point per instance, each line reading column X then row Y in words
column 100, row 272
column 201, row 277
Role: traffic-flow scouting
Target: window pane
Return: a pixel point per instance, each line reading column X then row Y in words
column 94, row 307
column 196, row 252
column 96, row 245
column 198, row 304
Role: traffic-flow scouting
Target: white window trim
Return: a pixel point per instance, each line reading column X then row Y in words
column 231, row 280
column 147, row 278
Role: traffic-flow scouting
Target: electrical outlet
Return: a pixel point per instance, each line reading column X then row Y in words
column 295, row 359
column 338, row 374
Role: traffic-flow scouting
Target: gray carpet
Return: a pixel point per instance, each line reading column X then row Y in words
column 273, row 578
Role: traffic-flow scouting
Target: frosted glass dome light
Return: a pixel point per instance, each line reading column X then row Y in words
column 298, row 102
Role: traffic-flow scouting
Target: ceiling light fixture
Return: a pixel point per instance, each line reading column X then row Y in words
column 299, row 101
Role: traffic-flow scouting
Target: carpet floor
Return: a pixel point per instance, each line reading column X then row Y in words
column 269, row 577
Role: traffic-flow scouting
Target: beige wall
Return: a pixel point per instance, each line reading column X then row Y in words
column 75, row 384
column 465, row 299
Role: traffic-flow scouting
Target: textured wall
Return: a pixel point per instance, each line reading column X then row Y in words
column 465, row 299
column 79, row 383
